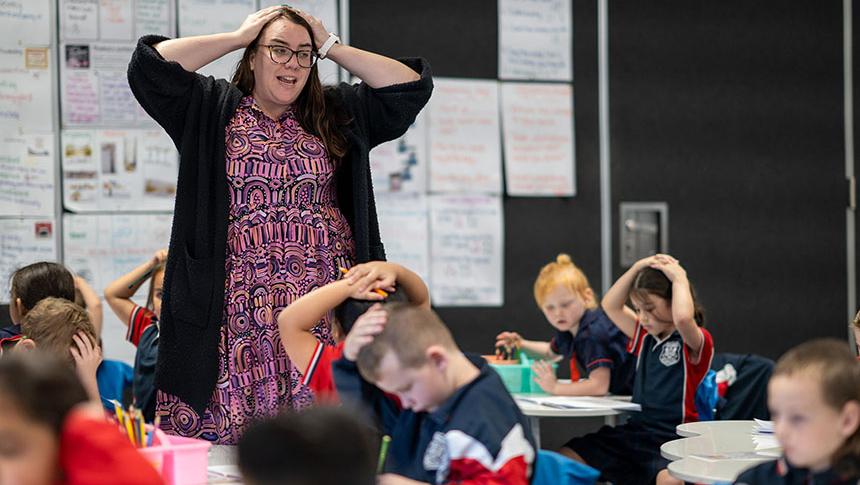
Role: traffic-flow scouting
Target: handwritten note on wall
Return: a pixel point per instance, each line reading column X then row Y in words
column 466, row 250
column 22, row 242
column 465, row 153
column 115, row 20
column 201, row 17
column 405, row 230
column 535, row 39
column 401, row 165
column 27, row 175
column 26, row 22
column 25, row 89
column 538, row 129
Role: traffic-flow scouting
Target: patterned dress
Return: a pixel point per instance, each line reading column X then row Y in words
column 285, row 237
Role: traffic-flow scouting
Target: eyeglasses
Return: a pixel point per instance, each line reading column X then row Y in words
column 282, row 55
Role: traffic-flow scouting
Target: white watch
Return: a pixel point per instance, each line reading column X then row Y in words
column 332, row 40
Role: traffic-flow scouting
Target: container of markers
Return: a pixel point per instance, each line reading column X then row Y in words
column 518, row 375
column 181, row 461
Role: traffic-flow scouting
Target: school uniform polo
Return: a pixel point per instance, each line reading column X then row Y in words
column 143, row 331
column 665, row 386
column 597, row 343
column 319, row 377
column 477, row 435
column 779, row 472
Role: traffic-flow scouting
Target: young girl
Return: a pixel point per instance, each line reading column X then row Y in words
column 673, row 355
column 349, row 297
column 814, row 400
column 31, row 284
column 584, row 334
column 142, row 324
column 49, row 436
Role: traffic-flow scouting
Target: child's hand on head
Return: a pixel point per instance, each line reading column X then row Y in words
column 87, row 355
column 159, row 257
column 545, row 376
column 669, row 266
column 365, row 329
column 375, row 274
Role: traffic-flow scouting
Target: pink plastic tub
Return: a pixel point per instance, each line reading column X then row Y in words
column 181, row 461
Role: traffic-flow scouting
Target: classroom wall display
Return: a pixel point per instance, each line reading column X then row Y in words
column 466, row 234
column 121, row 170
column 537, row 121
column 465, row 145
column 401, row 165
column 101, row 248
column 404, row 227
column 201, row 17
column 26, row 22
column 535, row 40
column 27, row 174
column 327, row 12
column 25, row 87
column 115, row 20
column 22, row 242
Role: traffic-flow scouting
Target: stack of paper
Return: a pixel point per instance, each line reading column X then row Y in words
column 763, row 436
column 570, row 402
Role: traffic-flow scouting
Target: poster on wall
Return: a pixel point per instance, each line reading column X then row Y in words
column 202, row 17
column 115, row 20
column 25, row 89
column 22, row 242
column 26, row 22
column 401, row 165
column 27, row 174
column 537, row 119
column 465, row 144
column 466, row 234
column 404, row 230
column 535, row 40
column 125, row 170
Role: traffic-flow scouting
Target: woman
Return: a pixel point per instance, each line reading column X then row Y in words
column 273, row 197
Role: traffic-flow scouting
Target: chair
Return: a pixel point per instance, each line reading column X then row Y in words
column 552, row 468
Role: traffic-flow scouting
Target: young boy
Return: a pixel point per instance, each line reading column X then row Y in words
column 455, row 421
column 61, row 328
column 309, row 448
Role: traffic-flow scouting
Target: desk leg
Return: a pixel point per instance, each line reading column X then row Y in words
column 534, row 422
column 610, row 420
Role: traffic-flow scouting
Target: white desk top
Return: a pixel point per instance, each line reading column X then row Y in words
column 714, row 451
column 538, row 410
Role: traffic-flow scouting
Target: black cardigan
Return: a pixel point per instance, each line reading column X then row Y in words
column 195, row 110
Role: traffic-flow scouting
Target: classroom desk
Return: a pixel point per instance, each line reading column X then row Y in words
column 536, row 411
column 710, row 438
column 222, row 465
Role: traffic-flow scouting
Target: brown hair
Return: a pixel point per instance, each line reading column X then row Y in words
column 652, row 281
column 409, row 332
column 317, row 113
column 563, row 272
column 40, row 280
column 52, row 324
column 40, row 386
column 838, row 371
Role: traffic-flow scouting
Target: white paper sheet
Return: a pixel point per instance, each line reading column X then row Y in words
column 201, row 17
column 465, row 145
column 26, row 22
column 405, row 230
column 22, row 242
column 466, row 250
column 25, row 89
column 79, row 19
column 535, row 40
column 537, row 120
column 27, row 175
column 401, row 165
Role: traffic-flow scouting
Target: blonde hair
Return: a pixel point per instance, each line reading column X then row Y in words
column 838, row 372
column 53, row 323
column 409, row 332
column 562, row 272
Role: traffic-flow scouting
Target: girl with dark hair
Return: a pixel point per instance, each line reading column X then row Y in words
column 31, row 284
column 273, row 196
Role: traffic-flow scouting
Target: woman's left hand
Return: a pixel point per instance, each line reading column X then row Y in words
column 317, row 27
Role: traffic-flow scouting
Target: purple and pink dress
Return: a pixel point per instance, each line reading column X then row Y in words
column 285, row 237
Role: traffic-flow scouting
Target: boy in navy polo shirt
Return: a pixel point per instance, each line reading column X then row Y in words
column 455, row 422
column 584, row 334
column 673, row 354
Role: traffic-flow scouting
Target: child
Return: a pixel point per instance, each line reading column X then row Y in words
column 61, row 328
column 31, row 284
column 142, row 324
column 301, row 448
column 454, row 423
column 350, row 298
column 673, row 355
column 814, row 399
column 49, row 436
column 857, row 333
column 584, row 334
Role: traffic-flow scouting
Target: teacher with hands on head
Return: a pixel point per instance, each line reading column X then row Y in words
column 273, row 197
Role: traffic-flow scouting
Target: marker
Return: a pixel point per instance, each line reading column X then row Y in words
column 378, row 291
column 141, row 279
column 383, row 452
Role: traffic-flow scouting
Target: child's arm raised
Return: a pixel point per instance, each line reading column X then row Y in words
column 615, row 301
column 92, row 303
column 683, row 308
column 384, row 274
column 296, row 321
column 118, row 294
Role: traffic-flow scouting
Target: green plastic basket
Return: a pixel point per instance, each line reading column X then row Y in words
column 518, row 377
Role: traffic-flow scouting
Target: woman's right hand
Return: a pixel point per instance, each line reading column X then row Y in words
column 508, row 340
column 254, row 23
